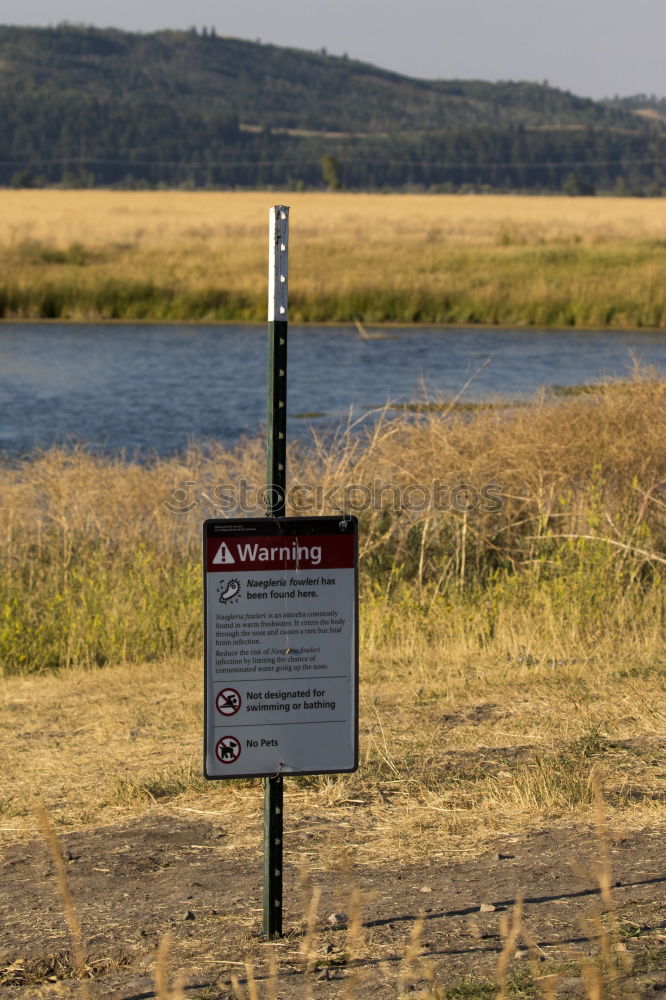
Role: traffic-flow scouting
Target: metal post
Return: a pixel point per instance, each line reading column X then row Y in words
column 276, row 476
column 276, row 445
column 273, row 827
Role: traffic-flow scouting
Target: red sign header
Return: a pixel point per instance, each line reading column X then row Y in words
column 233, row 554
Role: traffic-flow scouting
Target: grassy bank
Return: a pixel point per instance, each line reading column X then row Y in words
column 473, row 523
column 383, row 258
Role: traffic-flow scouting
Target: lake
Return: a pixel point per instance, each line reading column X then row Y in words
column 157, row 387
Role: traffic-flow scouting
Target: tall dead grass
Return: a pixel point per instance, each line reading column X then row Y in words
column 66, row 899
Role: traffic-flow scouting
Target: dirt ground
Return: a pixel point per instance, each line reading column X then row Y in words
column 198, row 878
column 477, row 792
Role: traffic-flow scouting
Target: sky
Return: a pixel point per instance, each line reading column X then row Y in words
column 595, row 48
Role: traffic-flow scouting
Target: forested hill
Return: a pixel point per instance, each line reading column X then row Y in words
column 88, row 106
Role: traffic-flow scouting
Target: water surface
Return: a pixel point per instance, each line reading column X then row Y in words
column 157, row 387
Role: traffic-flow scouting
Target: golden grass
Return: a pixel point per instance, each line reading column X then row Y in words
column 176, row 218
column 161, row 973
column 451, row 258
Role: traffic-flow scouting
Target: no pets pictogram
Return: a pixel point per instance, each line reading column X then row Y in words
column 227, row 750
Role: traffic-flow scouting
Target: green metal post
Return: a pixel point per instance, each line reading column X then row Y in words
column 276, row 479
column 273, row 829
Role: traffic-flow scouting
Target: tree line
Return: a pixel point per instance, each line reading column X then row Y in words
column 86, row 107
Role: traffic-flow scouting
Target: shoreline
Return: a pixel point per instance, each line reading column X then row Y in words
column 148, row 456
column 389, row 325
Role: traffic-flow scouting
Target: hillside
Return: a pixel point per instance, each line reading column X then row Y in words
column 641, row 104
column 107, row 107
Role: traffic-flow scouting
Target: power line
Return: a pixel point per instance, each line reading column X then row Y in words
column 442, row 164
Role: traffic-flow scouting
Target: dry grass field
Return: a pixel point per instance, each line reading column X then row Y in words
column 512, row 725
column 542, row 261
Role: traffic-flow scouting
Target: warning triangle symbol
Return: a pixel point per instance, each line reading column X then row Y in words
column 223, row 555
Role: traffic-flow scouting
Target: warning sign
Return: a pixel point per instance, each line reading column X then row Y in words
column 280, row 646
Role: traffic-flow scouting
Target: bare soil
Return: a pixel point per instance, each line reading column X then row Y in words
column 197, row 879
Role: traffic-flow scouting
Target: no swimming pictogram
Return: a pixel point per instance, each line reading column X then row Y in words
column 228, row 701
column 227, row 750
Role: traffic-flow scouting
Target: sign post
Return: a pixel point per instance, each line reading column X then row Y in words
column 280, row 622
column 281, row 652
column 276, row 482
